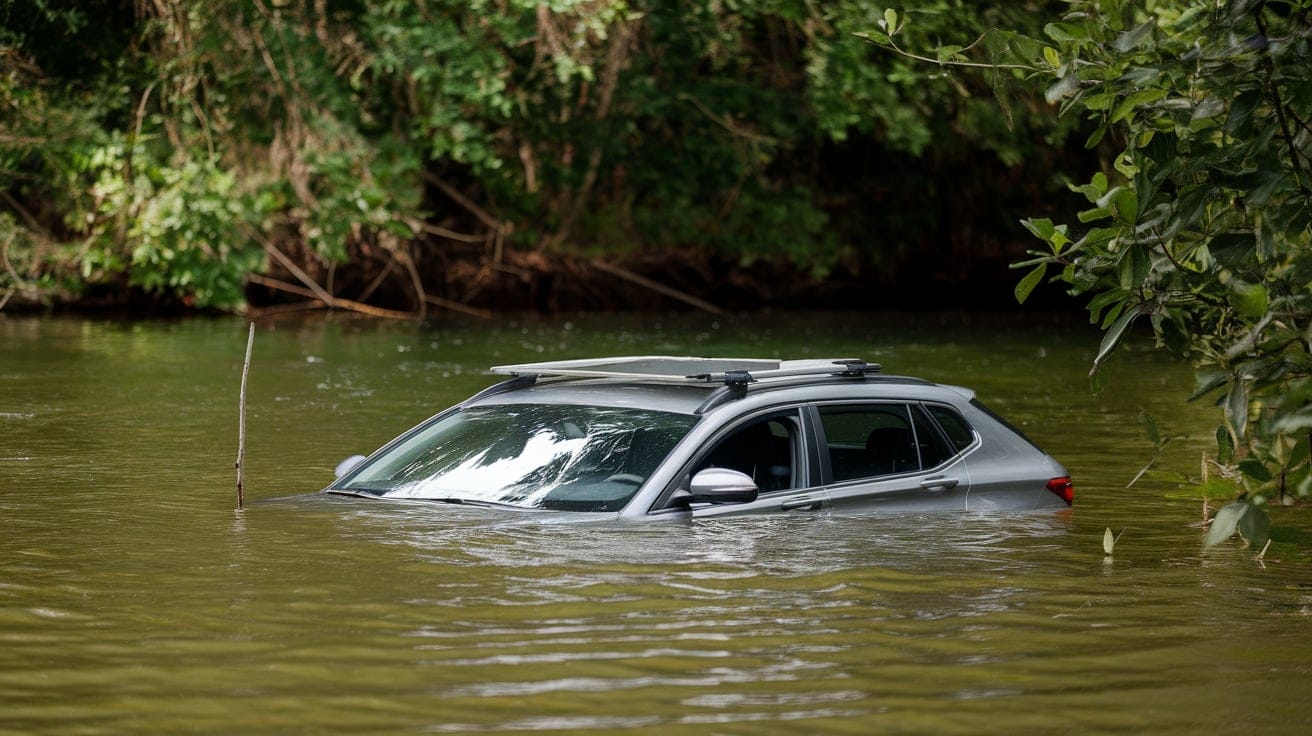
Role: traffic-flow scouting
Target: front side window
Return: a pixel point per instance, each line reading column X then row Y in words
column 766, row 449
column 576, row 458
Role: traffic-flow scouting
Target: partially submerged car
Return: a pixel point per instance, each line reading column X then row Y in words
column 655, row 437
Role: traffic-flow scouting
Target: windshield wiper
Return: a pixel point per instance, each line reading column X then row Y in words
column 381, row 494
column 457, row 500
column 358, row 492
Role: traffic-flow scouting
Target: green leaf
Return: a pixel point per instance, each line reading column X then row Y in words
column 1064, row 87
column 1291, row 423
column 1108, row 541
column 1134, row 267
column 947, row 53
column 890, row 21
column 1236, row 408
column 1051, row 56
column 1031, row 280
column 1249, row 300
column 1040, row 227
column 1225, row 446
column 1126, row 205
column 1150, row 426
column 1127, row 165
column 1114, row 298
column 1096, row 136
column 878, row 37
column 1097, row 101
column 1255, row 526
column 1225, row 523
column 1114, row 313
column 1135, row 37
column 1134, row 101
column 1256, row 469
column 1065, row 32
column 1299, row 454
column 1097, row 213
column 1115, row 334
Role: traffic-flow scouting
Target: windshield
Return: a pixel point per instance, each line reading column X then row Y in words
column 576, row 458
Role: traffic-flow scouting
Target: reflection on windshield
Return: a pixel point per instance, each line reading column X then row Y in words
column 556, row 457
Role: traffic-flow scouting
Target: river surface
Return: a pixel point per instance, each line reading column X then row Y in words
column 135, row 598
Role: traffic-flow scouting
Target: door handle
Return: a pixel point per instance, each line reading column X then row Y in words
column 939, row 483
column 805, row 503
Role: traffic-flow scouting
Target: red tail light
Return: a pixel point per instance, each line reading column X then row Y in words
column 1064, row 488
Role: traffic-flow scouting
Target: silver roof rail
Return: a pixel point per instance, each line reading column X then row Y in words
column 732, row 372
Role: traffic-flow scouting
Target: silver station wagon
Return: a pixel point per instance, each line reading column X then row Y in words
column 658, row 437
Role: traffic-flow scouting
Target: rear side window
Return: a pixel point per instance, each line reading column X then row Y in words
column 869, row 440
column 958, row 431
column 873, row 440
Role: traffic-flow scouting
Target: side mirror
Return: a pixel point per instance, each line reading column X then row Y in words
column 347, row 465
column 722, row 485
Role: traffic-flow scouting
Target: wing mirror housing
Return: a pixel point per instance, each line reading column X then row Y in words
column 721, row 485
column 347, row 466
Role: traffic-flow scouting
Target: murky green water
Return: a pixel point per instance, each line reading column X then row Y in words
column 134, row 599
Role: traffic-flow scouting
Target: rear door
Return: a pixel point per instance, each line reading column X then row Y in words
column 888, row 456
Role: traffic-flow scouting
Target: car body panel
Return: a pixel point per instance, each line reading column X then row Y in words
column 942, row 488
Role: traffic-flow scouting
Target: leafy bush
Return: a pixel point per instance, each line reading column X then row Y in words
column 153, row 151
column 1200, row 225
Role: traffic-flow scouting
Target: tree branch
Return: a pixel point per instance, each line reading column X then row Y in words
column 1269, row 67
column 891, row 46
column 287, row 263
column 354, row 306
column 659, row 288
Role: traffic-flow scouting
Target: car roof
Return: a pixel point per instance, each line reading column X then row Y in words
column 689, row 385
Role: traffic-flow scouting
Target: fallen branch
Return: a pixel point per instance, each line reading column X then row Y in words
column 18, row 280
column 23, row 213
column 419, row 225
column 459, row 198
column 354, row 306
column 260, row 313
column 458, row 307
column 659, row 288
column 295, row 270
column 421, row 295
column 378, row 280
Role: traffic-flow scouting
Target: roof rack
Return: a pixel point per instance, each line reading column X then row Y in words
column 735, row 373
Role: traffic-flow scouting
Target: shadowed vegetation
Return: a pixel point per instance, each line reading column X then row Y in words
column 506, row 153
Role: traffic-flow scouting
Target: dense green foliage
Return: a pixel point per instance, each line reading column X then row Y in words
column 173, row 146
column 1204, row 229
column 1201, row 223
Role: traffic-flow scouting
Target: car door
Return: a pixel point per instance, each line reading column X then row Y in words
column 889, row 456
column 772, row 448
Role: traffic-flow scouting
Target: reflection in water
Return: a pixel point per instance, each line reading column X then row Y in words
column 134, row 599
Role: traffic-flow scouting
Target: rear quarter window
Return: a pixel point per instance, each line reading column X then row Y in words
column 956, row 427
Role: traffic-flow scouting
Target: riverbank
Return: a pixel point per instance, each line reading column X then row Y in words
column 479, row 283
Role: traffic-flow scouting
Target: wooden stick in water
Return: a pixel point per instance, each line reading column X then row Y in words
column 241, row 425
